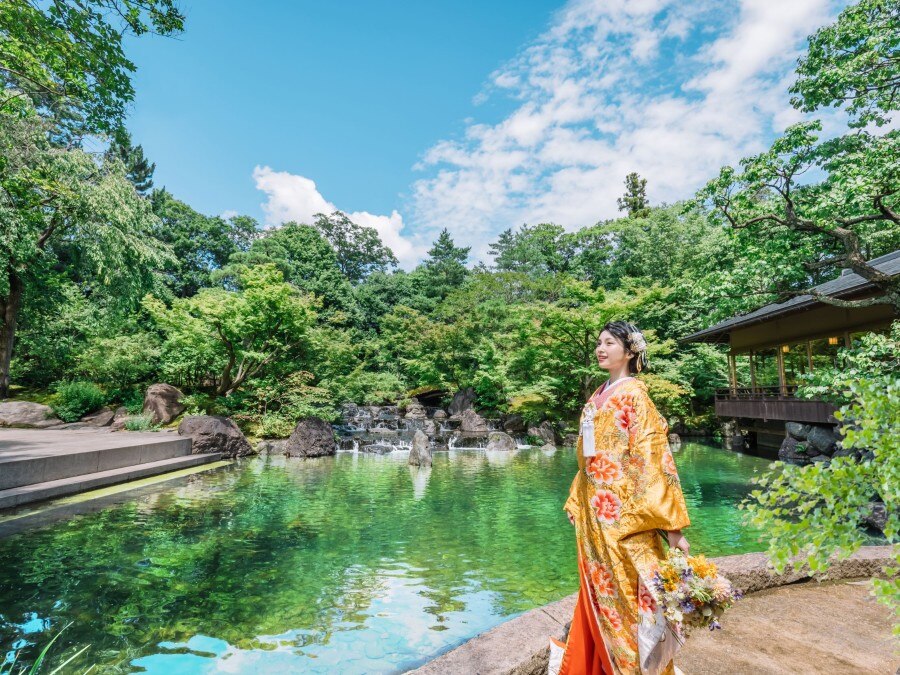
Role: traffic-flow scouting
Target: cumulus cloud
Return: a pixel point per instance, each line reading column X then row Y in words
column 669, row 89
column 294, row 197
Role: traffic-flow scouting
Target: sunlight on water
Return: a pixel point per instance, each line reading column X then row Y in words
column 350, row 564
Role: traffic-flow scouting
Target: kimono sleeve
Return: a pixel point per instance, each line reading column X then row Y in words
column 571, row 506
column 661, row 502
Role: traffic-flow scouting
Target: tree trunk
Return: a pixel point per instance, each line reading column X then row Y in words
column 9, row 307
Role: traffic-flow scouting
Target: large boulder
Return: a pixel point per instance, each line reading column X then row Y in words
column 415, row 411
column 439, row 415
column 472, row 422
column 514, row 424
column 793, row 451
column 544, row 431
column 269, row 446
column 797, row 430
column 463, row 400
column 497, row 440
column 27, row 414
column 420, row 453
column 822, row 439
column 214, row 433
column 119, row 417
column 163, row 403
column 100, row 418
column 312, row 437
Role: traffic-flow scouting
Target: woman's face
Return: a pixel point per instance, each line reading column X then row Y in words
column 611, row 354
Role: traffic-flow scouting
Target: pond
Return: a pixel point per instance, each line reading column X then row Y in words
column 349, row 564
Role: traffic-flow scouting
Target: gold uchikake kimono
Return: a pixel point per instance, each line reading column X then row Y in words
column 620, row 497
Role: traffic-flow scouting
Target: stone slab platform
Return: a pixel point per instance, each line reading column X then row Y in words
column 37, row 464
column 784, row 628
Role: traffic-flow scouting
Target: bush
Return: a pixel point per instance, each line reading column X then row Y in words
column 140, row 423
column 75, row 399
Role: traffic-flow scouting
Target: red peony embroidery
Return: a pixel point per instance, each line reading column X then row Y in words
column 604, row 469
column 646, row 601
column 606, row 506
column 602, row 580
column 668, row 462
column 611, row 616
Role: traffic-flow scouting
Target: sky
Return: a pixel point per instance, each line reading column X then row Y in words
column 474, row 116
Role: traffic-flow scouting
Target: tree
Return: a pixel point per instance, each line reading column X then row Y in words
column 854, row 62
column 306, row 260
column 67, row 57
column 202, row 244
column 445, row 267
column 534, row 250
column 62, row 206
column 358, row 248
column 140, row 170
column 634, row 201
column 235, row 335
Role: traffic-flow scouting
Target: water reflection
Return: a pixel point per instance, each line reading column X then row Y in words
column 355, row 563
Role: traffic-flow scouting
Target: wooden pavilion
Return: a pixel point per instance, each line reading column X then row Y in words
column 772, row 346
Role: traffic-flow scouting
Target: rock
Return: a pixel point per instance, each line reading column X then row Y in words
column 797, row 430
column 822, row 439
column 312, row 437
column 439, row 415
column 497, row 440
column 420, row 454
column 738, row 443
column 877, row 516
column 674, row 439
column 429, row 427
column 471, row 421
column 548, row 447
column 27, row 414
column 100, row 418
column 793, row 451
column 463, row 400
column 271, row 446
column 214, row 433
column 514, row 424
column 843, row 452
column 119, row 417
column 163, row 403
column 544, row 431
column 415, row 411
column 570, row 440
column 377, row 448
column 821, row 459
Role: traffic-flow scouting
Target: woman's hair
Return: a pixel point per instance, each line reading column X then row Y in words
column 633, row 340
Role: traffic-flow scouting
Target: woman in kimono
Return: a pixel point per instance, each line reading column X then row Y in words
column 624, row 499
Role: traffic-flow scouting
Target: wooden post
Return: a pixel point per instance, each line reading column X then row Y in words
column 753, row 371
column 809, row 355
column 781, row 376
column 732, row 374
column 847, row 339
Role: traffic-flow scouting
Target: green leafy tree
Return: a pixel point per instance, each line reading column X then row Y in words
column 535, row 250
column 358, row 248
column 445, row 267
column 854, row 63
column 202, row 244
column 62, row 207
column 67, row 56
column 634, row 201
column 231, row 336
column 139, row 169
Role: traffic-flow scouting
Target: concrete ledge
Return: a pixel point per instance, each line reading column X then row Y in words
column 519, row 646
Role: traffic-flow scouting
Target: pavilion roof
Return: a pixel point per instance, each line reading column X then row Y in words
column 848, row 284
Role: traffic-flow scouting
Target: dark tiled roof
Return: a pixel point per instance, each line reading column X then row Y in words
column 846, row 284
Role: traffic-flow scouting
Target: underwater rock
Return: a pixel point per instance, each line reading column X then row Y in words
column 214, row 433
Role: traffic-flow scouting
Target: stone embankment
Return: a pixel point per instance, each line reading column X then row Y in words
column 783, row 626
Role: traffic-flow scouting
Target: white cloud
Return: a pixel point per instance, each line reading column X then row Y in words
column 295, row 197
column 672, row 90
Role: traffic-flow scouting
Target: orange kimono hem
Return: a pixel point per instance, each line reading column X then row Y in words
column 585, row 651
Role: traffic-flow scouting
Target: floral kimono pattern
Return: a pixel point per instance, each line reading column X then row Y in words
column 620, row 497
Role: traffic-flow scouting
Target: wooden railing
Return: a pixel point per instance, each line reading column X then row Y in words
column 755, row 393
column 771, row 403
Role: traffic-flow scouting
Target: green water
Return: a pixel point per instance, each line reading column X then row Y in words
column 348, row 564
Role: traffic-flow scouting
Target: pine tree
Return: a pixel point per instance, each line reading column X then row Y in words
column 139, row 170
column 634, row 201
column 445, row 266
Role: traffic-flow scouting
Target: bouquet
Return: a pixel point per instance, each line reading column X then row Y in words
column 691, row 591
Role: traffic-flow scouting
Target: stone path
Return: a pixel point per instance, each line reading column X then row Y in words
column 786, row 624
column 817, row 628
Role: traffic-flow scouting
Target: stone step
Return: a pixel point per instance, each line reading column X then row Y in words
column 28, row 457
column 26, row 494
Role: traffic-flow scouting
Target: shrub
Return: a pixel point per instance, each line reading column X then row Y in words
column 75, row 399
column 140, row 423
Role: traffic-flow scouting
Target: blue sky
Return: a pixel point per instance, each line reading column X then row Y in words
column 475, row 116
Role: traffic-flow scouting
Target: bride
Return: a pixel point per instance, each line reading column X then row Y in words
column 625, row 496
